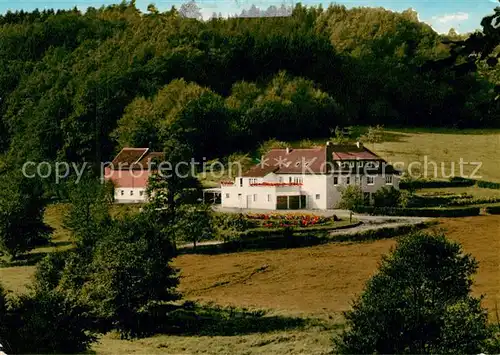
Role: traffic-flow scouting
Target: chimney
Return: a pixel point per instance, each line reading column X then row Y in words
column 329, row 156
column 359, row 144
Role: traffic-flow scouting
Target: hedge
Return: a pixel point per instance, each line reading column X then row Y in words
column 380, row 233
column 266, row 232
column 488, row 184
column 493, row 209
column 452, row 182
column 420, row 212
column 430, row 184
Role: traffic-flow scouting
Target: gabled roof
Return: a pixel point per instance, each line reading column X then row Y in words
column 128, row 156
column 135, row 158
column 313, row 160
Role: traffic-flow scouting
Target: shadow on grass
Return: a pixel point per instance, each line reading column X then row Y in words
column 33, row 257
column 28, row 259
column 193, row 319
column 260, row 243
column 394, row 137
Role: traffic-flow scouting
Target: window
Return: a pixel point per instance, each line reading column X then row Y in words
column 252, row 181
column 297, row 180
column 317, row 196
column 370, row 180
column 239, row 196
column 254, row 197
column 335, row 180
column 356, row 180
column 348, row 180
column 131, row 192
column 227, row 195
column 122, row 192
column 388, row 180
column 280, row 179
column 290, row 179
column 141, row 193
column 268, row 198
column 241, row 182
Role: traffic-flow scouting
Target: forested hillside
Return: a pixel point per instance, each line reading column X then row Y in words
column 79, row 86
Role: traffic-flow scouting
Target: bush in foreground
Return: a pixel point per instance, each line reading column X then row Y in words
column 419, row 302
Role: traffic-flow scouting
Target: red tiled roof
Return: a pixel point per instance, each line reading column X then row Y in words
column 292, row 162
column 311, row 160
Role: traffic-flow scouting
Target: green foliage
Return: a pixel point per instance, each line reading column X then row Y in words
column 229, row 226
column 418, row 302
column 414, row 184
column 130, row 269
column 493, row 209
column 373, row 135
column 351, row 198
column 488, row 184
column 419, row 212
column 49, row 272
column 195, row 223
column 387, row 197
column 77, row 86
column 47, row 322
column 21, row 214
column 88, row 212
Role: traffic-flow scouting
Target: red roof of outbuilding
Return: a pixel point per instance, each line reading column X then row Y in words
column 135, row 158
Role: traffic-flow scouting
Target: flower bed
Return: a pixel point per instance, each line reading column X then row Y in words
column 277, row 220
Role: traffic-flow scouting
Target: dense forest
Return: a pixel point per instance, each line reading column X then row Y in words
column 78, row 86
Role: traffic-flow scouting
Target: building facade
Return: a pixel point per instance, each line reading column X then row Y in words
column 130, row 171
column 309, row 178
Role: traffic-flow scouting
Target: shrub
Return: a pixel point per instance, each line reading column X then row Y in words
column 265, row 147
column 419, row 302
column 493, row 209
column 420, row 212
column 47, row 322
column 428, row 184
column 488, row 184
column 387, row 197
column 351, row 197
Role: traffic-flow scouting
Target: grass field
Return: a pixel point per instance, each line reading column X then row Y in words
column 444, row 147
column 315, row 282
column 322, row 280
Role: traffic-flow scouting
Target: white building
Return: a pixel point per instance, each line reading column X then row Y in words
column 308, row 178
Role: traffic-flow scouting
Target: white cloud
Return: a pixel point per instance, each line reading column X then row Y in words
column 456, row 17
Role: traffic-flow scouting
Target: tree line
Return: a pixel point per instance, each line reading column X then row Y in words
column 77, row 87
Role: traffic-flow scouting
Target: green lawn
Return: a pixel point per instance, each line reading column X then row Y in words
column 445, row 149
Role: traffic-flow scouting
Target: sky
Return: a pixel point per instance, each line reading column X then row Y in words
column 462, row 15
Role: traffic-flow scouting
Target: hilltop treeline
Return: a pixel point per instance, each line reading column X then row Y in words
column 78, row 86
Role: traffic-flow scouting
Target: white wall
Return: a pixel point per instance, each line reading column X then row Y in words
column 313, row 186
column 378, row 183
column 130, row 195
